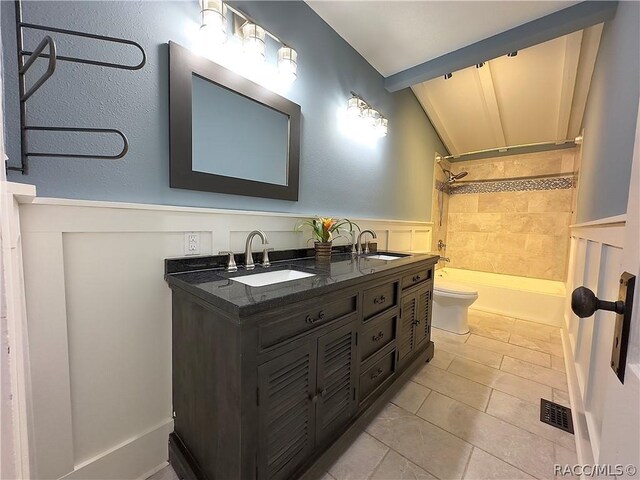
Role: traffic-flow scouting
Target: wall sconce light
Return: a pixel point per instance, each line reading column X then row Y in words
column 365, row 120
column 213, row 20
column 251, row 61
column 253, row 41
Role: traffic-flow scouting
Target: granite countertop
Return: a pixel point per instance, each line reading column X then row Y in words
column 205, row 278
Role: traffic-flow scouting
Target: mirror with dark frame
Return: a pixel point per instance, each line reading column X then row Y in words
column 229, row 134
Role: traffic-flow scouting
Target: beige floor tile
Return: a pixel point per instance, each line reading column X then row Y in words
column 411, row 396
column 483, row 466
column 524, row 450
column 546, row 376
column 500, row 380
column 515, row 351
column 492, row 319
column 561, row 397
column 395, row 467
column 481, row 355
column 557, row 363
column 167, row 473
column 564, row 457
column 441, row 358
column 534, row 330
column 438, row 334
column 454, row 386
column 536, row 344
column 438, row 452
column 490, row 332
column 527, row 416
column 360, row 460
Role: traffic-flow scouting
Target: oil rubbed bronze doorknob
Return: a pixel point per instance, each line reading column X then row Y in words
column 584, row 303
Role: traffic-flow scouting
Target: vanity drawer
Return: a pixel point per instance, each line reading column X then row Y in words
column 375, row 375
column 292, row 325
column 378, row 299
column 380, row 333
column 416, row 277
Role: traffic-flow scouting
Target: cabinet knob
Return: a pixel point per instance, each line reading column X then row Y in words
column 378, row 336
column 417, row 278
column 377, row 373
column 584, row 303
column 380, row 299
column 311, row 320
column 312, row 398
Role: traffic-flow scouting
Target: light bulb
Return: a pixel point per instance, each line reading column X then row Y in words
column 253, row 41
column 287, row 65
column 213, row 21
column 355, row 107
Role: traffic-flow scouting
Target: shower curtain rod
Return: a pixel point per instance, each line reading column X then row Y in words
column 510, row 147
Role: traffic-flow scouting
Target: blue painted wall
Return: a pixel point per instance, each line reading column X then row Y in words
column 338, row 176
column 610, row 118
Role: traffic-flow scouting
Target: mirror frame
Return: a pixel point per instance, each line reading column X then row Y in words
column 183, row 64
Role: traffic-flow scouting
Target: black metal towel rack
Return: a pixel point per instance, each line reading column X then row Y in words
column 51, row 54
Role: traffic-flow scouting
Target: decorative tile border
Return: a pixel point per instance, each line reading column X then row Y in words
column 559, row 183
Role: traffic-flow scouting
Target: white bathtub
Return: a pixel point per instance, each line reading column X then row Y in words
column 531, row 299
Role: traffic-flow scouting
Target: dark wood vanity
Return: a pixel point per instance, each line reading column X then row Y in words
column 266, row 379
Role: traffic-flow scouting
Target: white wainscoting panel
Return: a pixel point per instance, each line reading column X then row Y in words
column 99, row 322
column 595, row 261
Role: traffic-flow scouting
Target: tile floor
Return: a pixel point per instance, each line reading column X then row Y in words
column 471, row 413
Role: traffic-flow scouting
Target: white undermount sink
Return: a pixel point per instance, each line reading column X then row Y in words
column 269, row 278
column 381, row 256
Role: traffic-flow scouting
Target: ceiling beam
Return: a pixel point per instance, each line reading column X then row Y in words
column 572, row 45
column 422, row 95
column 562, row 22
column 485, row 80
column 588, row 52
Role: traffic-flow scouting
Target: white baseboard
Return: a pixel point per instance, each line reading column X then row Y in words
column 137, row 458
column 584, row 450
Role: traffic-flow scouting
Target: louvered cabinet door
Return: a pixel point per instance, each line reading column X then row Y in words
column 407, row 335
column 286, row 409
column 423, row 317
column 337, row 358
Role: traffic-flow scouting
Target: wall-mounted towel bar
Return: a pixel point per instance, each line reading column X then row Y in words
column 26, row 59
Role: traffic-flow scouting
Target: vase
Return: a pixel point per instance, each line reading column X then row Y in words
column 323, row 250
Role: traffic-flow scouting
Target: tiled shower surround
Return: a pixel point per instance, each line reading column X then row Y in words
column 515, row 227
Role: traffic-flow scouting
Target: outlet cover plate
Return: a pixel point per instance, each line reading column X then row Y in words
column 192, row 243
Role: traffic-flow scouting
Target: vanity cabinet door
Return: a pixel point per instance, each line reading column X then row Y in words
column 336, row 380
column 407, row 334
column 286, row 412
column 423, row 317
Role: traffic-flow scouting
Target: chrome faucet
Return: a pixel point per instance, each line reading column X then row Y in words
column 366, row 246
column 248, row 257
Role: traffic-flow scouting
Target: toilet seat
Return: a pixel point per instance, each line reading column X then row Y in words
column 451, row 288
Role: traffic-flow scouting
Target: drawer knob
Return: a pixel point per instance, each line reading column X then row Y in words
column 309, row 319
column 380, row 299
column 378, row 336
column 377, row 373
column 417, row 278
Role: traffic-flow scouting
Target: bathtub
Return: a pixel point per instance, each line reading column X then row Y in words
column 531, row 299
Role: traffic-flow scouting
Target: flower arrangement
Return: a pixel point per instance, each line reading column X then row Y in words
column 326, row 229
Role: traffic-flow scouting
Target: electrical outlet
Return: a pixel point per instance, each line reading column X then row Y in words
column 191, row 243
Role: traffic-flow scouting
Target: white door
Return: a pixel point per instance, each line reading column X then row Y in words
column 620, row 437
column 606, row 413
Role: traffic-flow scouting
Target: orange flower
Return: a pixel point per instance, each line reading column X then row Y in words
column 327, row 223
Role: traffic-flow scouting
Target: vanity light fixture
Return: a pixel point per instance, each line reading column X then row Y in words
column 213, row 21
column 253, row 41
column 288, row 64
column 364, row 119
column 251, row 63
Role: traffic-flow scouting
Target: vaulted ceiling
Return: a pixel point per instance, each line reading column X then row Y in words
column 535, row 97
column 538, row 96
column 396, row 35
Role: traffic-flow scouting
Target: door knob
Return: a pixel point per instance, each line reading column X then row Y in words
column 584, row 303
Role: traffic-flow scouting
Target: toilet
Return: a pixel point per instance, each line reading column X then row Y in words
column 451, row 301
